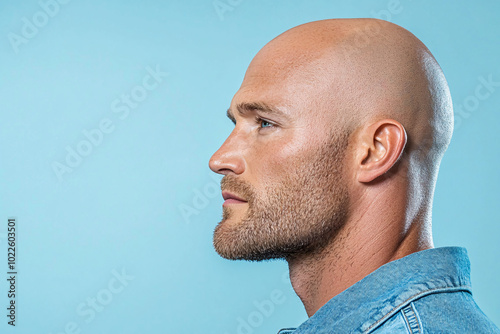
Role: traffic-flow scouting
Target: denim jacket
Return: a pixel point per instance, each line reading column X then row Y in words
column 424, row 292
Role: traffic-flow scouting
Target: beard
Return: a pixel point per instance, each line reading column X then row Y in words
column 301, row 214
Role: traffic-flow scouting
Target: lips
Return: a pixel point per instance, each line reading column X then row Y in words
column 232, row 198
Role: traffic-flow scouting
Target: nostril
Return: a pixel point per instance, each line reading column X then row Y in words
column 218, row 166
column 224, row 171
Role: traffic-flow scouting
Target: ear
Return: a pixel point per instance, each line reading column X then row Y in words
column 382, row 144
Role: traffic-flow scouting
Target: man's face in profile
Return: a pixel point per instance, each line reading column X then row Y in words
column 284, row 161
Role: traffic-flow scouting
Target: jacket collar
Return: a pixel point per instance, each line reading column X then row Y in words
column 372, row 300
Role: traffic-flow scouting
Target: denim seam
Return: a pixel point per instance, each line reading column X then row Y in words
column 410, row 316
column 412, row 298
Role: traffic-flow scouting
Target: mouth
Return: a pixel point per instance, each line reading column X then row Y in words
column 230, row 198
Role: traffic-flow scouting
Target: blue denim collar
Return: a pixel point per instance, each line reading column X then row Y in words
column 369, row 302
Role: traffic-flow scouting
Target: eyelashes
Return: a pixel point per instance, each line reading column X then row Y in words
column 264, row 123
column 261, row 122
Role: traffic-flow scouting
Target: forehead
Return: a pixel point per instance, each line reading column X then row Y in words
column 262, row 94
column 294, row 95
column 305, row 81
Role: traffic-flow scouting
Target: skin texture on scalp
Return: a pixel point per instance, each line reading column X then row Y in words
column 342, row 180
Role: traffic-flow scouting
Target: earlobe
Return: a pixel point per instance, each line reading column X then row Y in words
column 382, row 144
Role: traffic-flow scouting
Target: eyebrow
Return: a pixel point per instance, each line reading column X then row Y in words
column 246, row 107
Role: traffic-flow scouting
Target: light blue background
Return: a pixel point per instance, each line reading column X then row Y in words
column 120, row 209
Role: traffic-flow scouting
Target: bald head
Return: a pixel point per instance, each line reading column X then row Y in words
column 357, row 71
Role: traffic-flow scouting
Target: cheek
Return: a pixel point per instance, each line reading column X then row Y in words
column 275, row 160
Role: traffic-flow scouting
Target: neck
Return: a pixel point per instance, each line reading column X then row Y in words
column 360, row 247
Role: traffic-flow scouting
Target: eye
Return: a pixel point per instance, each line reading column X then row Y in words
column 263, row 123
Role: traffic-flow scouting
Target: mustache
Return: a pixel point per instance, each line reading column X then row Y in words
column 232, row 184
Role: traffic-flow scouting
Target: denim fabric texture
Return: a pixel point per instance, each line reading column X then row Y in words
column 424, row 292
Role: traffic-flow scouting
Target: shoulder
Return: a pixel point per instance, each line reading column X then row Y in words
column 443, row 312
column 453, row 310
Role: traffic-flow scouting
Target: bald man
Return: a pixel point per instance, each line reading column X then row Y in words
column 340, row 127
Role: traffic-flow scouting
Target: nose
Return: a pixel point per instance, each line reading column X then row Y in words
column 229, row 157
